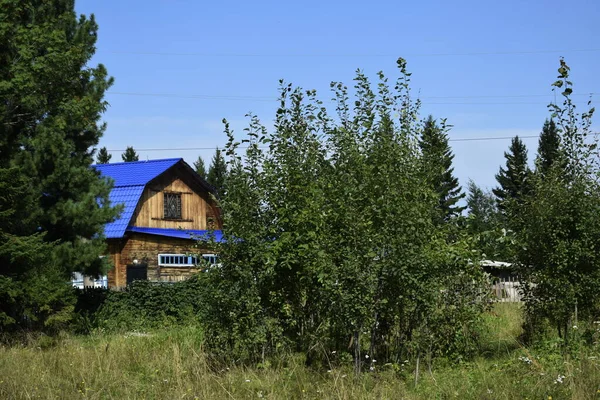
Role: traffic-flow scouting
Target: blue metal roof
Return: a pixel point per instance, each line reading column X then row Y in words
column 136, row 172
column 178, row 233
column 129, row 196
column 130, row 179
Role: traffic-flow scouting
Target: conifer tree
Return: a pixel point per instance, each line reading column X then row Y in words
column 548, row 147
column 52, row 101
column 217, row 172
column 513, row 179
column 438, row 157
column 200, row 168
column 103, row 156
column 130, row 155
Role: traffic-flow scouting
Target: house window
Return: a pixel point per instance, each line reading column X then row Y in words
column 184, row 260
column 211, row 259
column 172, row 205
column 176, row 260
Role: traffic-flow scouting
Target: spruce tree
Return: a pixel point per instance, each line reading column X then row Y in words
column 217, row 172
column 52, row 102
column 513, row 179
column 200, row 168
column 130, row 155
column 548, row 147
column 103, row 156
column 438, row 157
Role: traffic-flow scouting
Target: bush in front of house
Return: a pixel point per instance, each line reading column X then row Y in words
column 141, row 305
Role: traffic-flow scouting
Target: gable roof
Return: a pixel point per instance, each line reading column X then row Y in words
column 130, row 179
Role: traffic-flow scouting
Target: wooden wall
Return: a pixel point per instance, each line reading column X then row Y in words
column 145, row 249
column 195, row 206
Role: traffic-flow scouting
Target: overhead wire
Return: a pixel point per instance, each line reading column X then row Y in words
column 271, row 55
column 266, row 147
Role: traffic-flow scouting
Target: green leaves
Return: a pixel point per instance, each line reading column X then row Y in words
column 331, row 232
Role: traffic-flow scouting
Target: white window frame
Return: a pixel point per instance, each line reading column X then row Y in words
column 188, row 260
column 212, row 258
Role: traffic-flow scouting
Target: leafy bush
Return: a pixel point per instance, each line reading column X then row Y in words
column 141, row 305
column 333, row 237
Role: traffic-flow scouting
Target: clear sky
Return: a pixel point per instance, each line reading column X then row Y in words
column 485, row 65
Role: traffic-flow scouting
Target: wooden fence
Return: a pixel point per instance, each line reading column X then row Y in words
column 506, row 289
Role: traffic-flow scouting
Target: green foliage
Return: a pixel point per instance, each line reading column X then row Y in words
column 331, row 245
column 142, row 305
column 199, row 167
column 103, row 156
column 484, row 224
column 438, row 157
column 513, row 179
column 548, row 148
column 217, row 172
column 130, row 155
column 560, row 226
column 53, row 206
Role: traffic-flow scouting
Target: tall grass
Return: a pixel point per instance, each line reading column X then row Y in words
column 172, row 364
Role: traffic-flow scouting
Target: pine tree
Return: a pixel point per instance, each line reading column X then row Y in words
column 130, row 155
column 483, row 222
column 438, row 157
column 482, row 208
column 548, row 147
column 52, row 102
column 217, row 172
column 200, row 168
column 103, row 156
column 513, row 180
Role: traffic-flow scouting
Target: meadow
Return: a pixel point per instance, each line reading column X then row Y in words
column 173, row 364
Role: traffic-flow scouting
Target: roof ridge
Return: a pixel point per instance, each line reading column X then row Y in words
column 137, row 162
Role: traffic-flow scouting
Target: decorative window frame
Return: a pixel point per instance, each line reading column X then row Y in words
column 172, row 260
column 177, row 260
column 180, row 197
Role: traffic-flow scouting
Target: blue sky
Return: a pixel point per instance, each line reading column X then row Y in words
column 486, row 66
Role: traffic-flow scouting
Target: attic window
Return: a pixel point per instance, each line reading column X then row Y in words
column 172, row 205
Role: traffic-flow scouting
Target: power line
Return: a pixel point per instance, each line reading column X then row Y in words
column 266, row 147
column 332, row 55
column 272, row 99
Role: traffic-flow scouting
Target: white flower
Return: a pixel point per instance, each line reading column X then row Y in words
column 371, row 368
column 333, row 352
column 526, row 360
column 366, row 356
column 574, row 326
column 559, row 379
column 490, row 391
column 247, row 380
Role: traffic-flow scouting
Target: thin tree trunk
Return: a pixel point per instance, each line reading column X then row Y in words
column 357, row 361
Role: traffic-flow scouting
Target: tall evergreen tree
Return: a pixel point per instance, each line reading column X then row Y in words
column 438, row 157
column 130, row 155
column 52, row 101
column 548, row 147
column 200, row 168
column 103, row 156
column 513, row 180
column 482, row 209
column 217, row 171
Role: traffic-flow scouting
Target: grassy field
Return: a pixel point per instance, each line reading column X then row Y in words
column 170, row 364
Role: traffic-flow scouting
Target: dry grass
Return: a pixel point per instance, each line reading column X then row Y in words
column 171, row 364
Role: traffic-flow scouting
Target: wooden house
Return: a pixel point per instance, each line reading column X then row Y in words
column 167, row 206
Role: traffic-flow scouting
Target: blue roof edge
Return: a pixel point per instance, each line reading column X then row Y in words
column 191, row 234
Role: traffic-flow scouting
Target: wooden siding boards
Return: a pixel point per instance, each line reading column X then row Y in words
column 198, row 210
column 145, row 249
column 150, row 210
